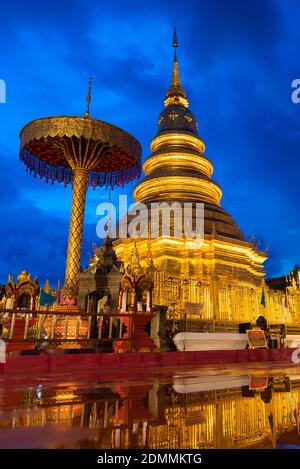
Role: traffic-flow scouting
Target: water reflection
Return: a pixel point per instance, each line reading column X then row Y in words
column 190, row 410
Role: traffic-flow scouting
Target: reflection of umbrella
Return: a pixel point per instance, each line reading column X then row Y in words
column 81, row 151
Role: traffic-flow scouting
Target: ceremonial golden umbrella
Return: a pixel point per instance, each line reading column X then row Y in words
column 81, row 151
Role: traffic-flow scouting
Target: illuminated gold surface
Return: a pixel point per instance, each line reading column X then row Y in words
column 178, row 160
column 176, row 94
column 52, row 139
column 177, row 139
column 155, row 416
column 178, row 187
column 224, row 275
column 75, row 233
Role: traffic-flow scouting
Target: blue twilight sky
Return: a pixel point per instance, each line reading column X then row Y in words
column 237, row 61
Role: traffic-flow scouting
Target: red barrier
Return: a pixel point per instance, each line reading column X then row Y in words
column 132, row 362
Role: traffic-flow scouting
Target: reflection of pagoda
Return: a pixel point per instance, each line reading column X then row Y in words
column 139, row 416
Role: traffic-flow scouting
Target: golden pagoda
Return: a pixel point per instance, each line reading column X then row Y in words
column 222, row 280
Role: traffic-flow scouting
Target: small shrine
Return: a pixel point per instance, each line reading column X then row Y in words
column 99, row 284
column 22, row 294
column 137, row 285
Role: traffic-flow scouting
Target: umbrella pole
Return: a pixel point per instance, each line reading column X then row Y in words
column 70, row 293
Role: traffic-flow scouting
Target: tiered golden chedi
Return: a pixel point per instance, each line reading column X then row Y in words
column 224, row 276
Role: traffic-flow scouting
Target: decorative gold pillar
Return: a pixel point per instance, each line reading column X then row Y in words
column 75, row 235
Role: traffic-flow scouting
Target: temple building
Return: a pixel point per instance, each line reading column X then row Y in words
column 221, row 282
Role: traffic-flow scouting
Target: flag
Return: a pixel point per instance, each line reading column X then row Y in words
column 57, row 299
column 263, row 298
column 46, row 299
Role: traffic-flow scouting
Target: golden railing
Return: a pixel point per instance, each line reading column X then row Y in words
column 56, row 328
column 68, row 413
column 209, row 325
column 203, row 325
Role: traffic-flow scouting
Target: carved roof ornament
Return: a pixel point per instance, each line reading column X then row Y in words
column 104, row 257
column 134, row 268
column 135, row 275
column 10, row 280
column 47, row 287
column 173, row 115
column 24, row 276
column 176, row 94
column 88, row 99
column 24, row 283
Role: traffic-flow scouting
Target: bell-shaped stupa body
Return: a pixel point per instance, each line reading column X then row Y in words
column 178, row 169
column 223, row 275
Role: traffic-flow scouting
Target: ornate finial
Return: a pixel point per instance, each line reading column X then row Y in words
column 47, row 287
column 175, row 40
column 135, row 254
column 10, row 280
column 88, row 99
column 23, row 277
column 176, row 94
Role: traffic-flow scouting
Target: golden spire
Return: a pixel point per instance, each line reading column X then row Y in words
column 88, row 99
column 176, row 94
column 47, row 287
column 175, row 40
